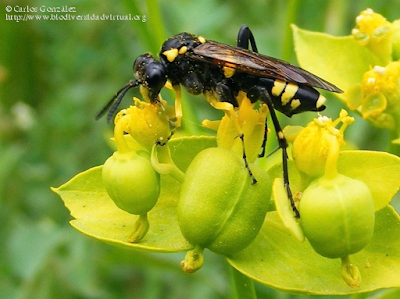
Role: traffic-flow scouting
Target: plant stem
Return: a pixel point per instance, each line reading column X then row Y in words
column 333, row 156
column 155, row 22
column 360, row 296
column 394, row 147
column 163, row 163
column 141, row 29
column 293, row 7
column 190, row 119
column 244, row 286
column 157, row 28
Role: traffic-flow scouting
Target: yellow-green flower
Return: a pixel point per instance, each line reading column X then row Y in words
column 316, row 148
column 396, row 40
column 373, row 31
column 246, row 120
column 378, row 97
column 384, row 80
column 148, row 123
column 367, row 67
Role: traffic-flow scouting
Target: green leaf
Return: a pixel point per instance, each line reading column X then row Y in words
column 183, row 150
column 97, row 216
column 388, row 294
column 278, row 260
column 340, row 60
column 275, row 258
column 379, row 170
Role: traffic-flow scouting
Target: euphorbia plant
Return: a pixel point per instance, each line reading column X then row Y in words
column 337, row 212
column 218, row 197
column 207, row 199
column 364, row 64
column 128, row 176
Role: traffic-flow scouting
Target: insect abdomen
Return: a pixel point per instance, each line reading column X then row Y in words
column 288, row 97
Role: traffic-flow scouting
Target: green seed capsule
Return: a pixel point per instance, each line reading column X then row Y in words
column 131, row 182
column 219, row 208
column 337, row 216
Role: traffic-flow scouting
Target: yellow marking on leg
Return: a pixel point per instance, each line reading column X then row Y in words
column 321, row 101
column 178, row 106
column 228, row 71
column 171, row 54
column 281, row 135
column 295, row 103
column 182, row 50
column 288, row 94
column 224, row 106
column 278, row 87
column 201, row 39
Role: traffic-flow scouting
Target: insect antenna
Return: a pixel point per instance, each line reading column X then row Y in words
column 113, row 104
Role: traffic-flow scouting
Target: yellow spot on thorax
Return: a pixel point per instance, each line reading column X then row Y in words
column 182, row 50
column 228, row 71
column 202, row 39
column 171, row 54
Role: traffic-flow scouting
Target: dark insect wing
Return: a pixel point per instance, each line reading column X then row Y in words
column 257, row 64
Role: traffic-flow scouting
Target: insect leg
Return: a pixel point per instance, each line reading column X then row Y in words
column 230, row 112
column 283, row 145
column 264, row 143
column 178, row 103
column 245, row 37
column 178, row 111
column 178, row 106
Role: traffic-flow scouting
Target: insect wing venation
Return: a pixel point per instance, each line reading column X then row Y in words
column 258, row 64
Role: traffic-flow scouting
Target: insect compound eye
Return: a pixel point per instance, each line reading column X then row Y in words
column 149, row 71
column 141, row 62
column 155, row 76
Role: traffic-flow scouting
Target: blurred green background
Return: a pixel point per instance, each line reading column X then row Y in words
column 56, row 75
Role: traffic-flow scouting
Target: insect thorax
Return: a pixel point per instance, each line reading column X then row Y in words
column 194, row 75
column 225, row 82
